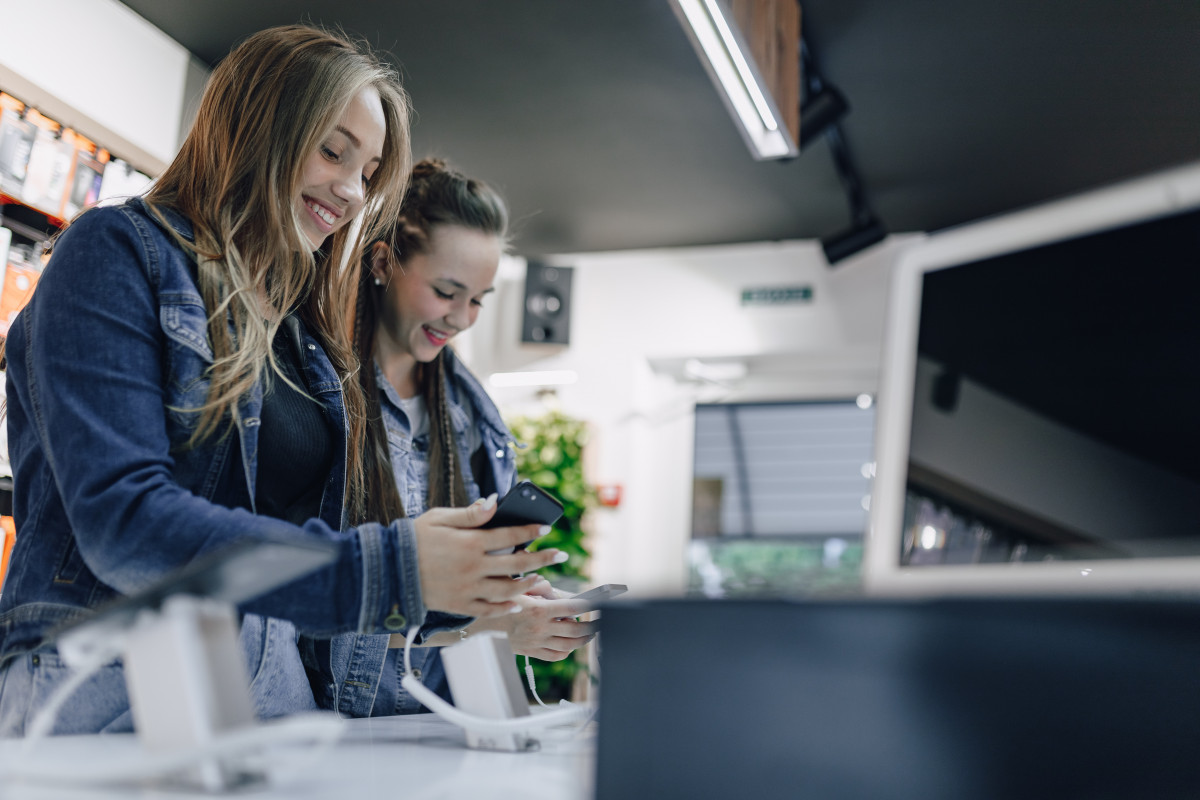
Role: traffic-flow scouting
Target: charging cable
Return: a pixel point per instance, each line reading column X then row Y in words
column 532, row 683
column 567, row 713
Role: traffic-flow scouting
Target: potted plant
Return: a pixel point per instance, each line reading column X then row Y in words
column 550, row 454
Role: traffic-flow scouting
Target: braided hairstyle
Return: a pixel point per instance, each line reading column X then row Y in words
column 437, row 195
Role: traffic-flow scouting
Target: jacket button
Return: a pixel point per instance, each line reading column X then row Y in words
column 394, row 621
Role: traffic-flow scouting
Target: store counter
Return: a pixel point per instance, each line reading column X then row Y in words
column 418, row 756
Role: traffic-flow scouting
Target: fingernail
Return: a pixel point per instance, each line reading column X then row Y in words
column 516, row 609
column 542, row 531
column 491, row 501
column 561, row 556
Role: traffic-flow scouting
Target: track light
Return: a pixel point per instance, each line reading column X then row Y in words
column 822, row 109
column 845, row 244
column 725, row 56
column 821, row 114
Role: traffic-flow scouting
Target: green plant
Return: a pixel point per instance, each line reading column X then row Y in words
column 552, row 458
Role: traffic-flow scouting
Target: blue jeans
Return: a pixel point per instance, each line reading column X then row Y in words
column 100, row 705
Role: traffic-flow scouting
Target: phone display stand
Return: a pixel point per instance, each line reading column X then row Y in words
column 186, row 681
column 189, row 691
column 482, row 672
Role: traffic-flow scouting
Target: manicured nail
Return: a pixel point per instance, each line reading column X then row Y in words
column 491, row 501
column 542, row 531
column 561, row 556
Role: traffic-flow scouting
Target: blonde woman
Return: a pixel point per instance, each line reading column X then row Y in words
column 184, row 378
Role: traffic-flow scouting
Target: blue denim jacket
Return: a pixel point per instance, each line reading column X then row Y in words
column 348, row 671
column 103, row 366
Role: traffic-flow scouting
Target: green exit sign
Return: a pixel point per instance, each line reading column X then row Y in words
column 777, row 295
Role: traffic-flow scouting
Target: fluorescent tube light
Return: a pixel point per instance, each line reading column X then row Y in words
column 540, row 378
column 723, row 52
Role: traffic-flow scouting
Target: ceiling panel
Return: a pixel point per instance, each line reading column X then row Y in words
column 600, row 126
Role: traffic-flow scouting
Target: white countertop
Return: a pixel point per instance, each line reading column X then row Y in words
column 418, row 756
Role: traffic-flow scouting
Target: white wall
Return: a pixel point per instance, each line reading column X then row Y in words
column 636, row 318
column 98, row 67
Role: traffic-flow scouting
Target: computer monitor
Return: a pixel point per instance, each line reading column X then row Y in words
column 898, row 698
column 1036, row 428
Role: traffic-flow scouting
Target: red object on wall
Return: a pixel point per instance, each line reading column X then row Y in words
column 609, row 494
column 8, row 537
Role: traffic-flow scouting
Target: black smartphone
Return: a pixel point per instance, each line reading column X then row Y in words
column 525, row 504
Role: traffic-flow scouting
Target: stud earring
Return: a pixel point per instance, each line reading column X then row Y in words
column 377, row 281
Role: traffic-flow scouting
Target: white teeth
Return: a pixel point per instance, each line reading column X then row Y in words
column 437, row 334
column 322, row 213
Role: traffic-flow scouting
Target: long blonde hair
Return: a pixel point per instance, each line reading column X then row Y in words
column 268, row 105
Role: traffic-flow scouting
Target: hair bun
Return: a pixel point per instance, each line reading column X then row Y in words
column 427, row 168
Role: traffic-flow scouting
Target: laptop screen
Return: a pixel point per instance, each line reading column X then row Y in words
column 1034, row 426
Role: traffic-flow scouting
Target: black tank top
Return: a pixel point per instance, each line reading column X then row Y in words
column 295, row 444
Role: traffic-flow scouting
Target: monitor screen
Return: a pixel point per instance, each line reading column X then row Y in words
column 998, row 697
column 1035, row 427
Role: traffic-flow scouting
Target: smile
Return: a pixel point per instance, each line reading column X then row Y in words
column 435, row 336
column 321, row 211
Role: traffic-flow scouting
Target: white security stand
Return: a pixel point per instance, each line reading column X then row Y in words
column 188, row 688
column 482, row 672
column 186, row 680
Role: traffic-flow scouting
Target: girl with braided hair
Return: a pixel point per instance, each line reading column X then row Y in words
column 436, row 438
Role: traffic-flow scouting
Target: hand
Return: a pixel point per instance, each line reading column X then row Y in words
column 544, row 629
column 543, row 589
column 457, row 574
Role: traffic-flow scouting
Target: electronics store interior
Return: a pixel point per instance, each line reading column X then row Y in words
column 840, row 351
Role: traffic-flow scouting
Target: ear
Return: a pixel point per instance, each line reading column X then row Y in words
column 381, row 262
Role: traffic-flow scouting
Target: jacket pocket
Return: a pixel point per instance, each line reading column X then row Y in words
column 187, row 358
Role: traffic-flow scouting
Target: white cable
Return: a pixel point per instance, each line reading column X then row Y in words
column 532, row 683
column 566, row 714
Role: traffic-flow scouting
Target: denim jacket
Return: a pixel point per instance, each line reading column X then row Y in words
column 348, row 671
column 104, row 365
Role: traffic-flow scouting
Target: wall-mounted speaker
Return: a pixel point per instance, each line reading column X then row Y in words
column 547, row 315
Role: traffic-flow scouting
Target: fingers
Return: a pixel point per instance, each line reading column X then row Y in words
column 543, row 589
column 471, row 516
column 515, row 536
column 574, row 630
column 482, row 609
column 522, row 561
column 505, row 590
column 574, row 608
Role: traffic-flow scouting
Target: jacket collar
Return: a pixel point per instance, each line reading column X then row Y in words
column 176, row 221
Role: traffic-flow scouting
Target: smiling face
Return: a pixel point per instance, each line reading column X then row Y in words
column 334, row 179
column 433, row 296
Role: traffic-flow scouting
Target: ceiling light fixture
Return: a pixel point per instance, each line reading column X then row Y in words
column 723, row 51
